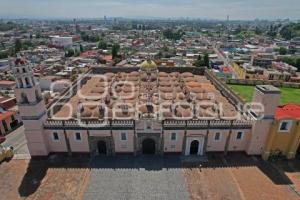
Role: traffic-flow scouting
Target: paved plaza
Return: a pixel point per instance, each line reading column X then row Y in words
column 143, row 177
column 216, row 177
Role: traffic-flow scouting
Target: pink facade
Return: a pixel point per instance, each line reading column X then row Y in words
column 56, row 145
column 236, row 144
column 173, row 146
column 216, row 145
column 126, row 145
column 78, row 145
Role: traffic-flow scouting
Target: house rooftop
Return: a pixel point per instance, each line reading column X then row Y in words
column 290, row 110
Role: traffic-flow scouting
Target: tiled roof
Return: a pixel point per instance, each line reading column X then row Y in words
column 289, row 110
column 5, row 115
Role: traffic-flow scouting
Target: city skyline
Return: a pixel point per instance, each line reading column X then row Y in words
column 218, row 9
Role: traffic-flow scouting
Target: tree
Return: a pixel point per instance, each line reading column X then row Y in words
column 206, row 60
column 38, row 35
column 168, row 33
column 3, row 54
column 102, row 44
column 11, row 78
column 293, row 60
column 73, row 77
column 199, row 62
column 114, row 51
column 160, row 54
column 282, row 51
column 69, row 53
column 297, row 64
column 18, row 45
column 81, row 48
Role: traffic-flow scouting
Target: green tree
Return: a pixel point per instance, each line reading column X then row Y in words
column 282, row 51
column 114, row 51
column 81, row 48
column 199, row 62
column 18, row 45
column 11, row 78
column 206, row 60
column 69, row 53
column 173, row 35
column 159, row 54
column 297, row 64
column 3, row 54
column 74, row 77
column 102, row 45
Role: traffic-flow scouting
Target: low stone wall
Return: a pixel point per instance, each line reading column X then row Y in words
column 262, row 82
column 226, row 91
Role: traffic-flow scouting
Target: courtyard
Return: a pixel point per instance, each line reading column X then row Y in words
column 288, row 95
column 235, row 176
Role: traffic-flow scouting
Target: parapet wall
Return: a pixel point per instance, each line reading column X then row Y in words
column 225, row 90
column 262, row 82
column 194, row 70
column 130, row 124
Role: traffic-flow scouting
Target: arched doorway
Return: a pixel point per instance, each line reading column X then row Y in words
column 101, row 147
column 194, row 147
column 148, row 146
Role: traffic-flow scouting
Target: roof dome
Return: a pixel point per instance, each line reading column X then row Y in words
column 148, row 64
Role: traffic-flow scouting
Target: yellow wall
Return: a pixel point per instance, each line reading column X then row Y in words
column 286, row 142
column 239, row 71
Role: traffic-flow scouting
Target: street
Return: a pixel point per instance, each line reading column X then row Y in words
column 17, row 140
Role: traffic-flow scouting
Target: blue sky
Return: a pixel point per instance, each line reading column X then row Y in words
column 212, row 9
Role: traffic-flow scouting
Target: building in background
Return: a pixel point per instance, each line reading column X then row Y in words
column 61, row 42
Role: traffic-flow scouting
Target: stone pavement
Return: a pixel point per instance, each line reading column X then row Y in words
column 142, row 177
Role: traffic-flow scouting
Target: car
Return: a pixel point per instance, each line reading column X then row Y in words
column 2, row 139
column 6, row 153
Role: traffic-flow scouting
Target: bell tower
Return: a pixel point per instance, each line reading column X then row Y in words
column 31, row 107
column 268, row 97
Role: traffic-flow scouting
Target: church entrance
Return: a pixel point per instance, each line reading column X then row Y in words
column 194, row 147
column 148, row 146
column 101, row 147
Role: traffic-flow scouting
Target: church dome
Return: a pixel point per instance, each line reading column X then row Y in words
column 148, row 64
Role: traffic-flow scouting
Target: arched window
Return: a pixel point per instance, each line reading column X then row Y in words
column 20, row 83
column 24, row 70
column 24, row 98
column 27, row 81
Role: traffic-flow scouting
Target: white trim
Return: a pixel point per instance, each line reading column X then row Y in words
column 242, row 137
column 75, row 138
column 53, row 139
column 289, row 124
column 200, row 147
column 175, row 136
column 125, row 136
column 220, row 138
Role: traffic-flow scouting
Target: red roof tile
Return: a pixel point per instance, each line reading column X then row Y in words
column 5, row 115
column 289, row 110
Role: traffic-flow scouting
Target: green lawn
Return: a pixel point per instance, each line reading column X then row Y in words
column 288, row 95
